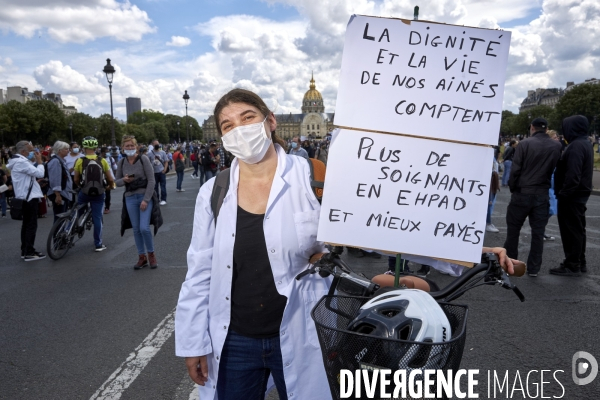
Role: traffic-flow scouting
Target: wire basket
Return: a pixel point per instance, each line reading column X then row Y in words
column 343, row 349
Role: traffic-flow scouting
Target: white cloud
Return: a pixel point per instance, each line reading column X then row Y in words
column 75, row 21
column 276, row 58
column 179, row 41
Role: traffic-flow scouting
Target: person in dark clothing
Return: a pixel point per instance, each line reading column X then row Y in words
column 573, row 186
column 507, row 158
column 533, row 163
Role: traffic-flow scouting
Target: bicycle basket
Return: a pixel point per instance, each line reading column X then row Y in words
column 344, row 349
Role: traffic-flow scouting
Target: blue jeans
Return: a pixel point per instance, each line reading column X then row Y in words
column 3, row 202
column 179, row 179
column 161, row 179
column 97, row 204
column 506, row 174
column 490, row 209
column 245, row 366
column 209, row 174
column 140, row 220
column 202, row 174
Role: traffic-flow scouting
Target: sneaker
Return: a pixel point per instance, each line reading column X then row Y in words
column 4, row 216
column 424, row 270
column 182, row 190
column 106, row 211
column 564, row 270
column 36, row 255
column 548, row 238
column 100, row 248
column 491, row 228
column 142, row 262
column 532, row 274
column 163, row 203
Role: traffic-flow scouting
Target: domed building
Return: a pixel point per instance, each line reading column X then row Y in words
column 312, row 123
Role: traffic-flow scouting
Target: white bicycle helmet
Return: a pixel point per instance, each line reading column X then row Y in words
column 411, row 315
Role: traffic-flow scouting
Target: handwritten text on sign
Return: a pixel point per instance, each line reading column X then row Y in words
column 423, row 79
column 406, row 195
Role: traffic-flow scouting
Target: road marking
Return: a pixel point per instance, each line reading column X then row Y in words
column 127, row 372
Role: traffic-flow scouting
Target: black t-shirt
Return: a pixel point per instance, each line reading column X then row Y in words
column 256, row 305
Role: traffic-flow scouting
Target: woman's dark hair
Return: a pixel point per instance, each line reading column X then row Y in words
column 246, row 97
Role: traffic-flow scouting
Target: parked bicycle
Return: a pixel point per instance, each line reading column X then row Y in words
column 367, row 327
column 68, row 229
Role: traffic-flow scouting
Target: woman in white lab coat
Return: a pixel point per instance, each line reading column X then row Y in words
column 241, row 313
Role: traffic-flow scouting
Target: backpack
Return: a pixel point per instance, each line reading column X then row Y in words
column 92, row 177
column 205, row 157
column 317, row 180
column 179, row 165
column 193, row 157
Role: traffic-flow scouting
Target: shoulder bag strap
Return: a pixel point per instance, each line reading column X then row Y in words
column 30, row 187
column 219, row 191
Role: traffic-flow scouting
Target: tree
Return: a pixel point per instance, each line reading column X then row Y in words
column 581, row 100
column 50, row 121
column 156, row 130
column 136, row 130
column 170, row 122
column 141, row 117
column 17, row 123
column 505, row 125
column 83, row 125
column 104, row 133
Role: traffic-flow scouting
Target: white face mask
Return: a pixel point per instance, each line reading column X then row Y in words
column 130, row 153
column 249, row 143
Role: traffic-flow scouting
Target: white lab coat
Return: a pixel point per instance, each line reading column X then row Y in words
column 290, row 227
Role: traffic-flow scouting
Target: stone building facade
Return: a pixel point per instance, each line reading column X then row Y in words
column 312, row 123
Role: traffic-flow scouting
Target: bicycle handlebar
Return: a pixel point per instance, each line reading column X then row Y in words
column 331, row 264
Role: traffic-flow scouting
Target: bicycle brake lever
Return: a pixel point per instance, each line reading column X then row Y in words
column 307, row 271
column 508, row 285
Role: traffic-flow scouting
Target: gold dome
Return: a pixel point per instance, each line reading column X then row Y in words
column 312, row 94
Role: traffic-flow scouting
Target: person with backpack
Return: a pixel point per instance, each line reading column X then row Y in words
column 59, row 179
column 211, row 161
column 160, row 162
column 240, row 293
column 92, row 174
column 179, row 161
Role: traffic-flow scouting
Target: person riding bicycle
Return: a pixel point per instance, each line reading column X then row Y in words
column 92, row 174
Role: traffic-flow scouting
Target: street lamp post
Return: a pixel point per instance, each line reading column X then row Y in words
column 186, row 98
column 529, row 126
column 109, row 70
column 178, row 137
column 71, row 129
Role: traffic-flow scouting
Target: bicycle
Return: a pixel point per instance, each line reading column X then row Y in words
column 68, row 229
column 350, row 350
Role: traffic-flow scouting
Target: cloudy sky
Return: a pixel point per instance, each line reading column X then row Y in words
column 162, row 47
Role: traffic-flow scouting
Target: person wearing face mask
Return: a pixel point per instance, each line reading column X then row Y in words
column 296, row 149
column 241, row 313
column 25, row 173
column 135, row 172
column 74, row 154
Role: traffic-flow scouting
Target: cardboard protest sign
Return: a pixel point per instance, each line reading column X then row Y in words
column 422, row 78
column 406, row 195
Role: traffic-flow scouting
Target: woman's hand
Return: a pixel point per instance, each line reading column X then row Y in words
column 143, row 205
column 198, row 369
column 127, row 179
column 506, row 262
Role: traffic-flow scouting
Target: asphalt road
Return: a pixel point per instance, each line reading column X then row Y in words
column 89, row 326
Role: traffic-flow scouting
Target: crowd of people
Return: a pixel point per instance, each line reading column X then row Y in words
column 240, row 293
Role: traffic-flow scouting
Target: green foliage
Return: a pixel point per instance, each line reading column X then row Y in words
column 581, row 100
column 518, row 124
column 83, row 125
column 155, row 130
column 136, row 130
column 104, row 132
column 50, row 120
column 17, row 122
column 144, row 116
